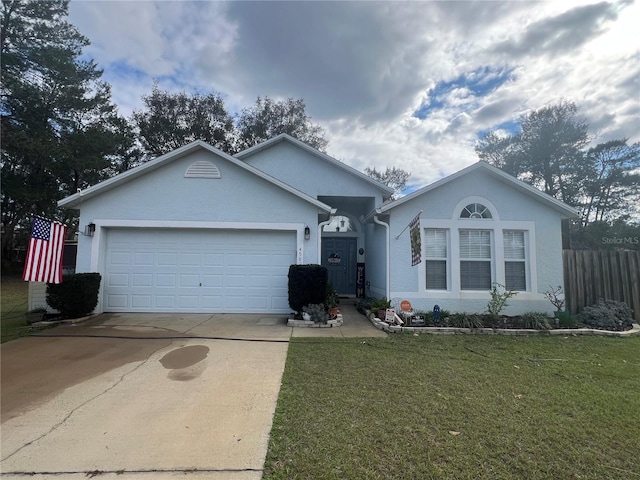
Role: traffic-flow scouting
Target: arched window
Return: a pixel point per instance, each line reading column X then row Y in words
column 475, row 210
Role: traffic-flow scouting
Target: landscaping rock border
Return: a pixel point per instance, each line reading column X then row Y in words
column 54, row 322
column 292, row 322
column 384, row 326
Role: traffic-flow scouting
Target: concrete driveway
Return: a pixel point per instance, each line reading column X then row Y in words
column 141, row 396
column 145, row 396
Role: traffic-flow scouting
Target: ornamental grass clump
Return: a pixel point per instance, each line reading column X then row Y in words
column 536, row 321
column 465, row 320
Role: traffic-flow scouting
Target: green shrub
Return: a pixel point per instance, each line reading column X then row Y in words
column 566, row 320
column 536, row 321
column 76, row 296
column 608, row 315
column 380, row 304
column 307, row 285
column 428, row 317
column 499, row 299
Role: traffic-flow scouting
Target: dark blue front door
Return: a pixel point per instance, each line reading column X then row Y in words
column 339, row 256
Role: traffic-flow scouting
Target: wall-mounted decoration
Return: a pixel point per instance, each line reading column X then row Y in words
column 334, row 259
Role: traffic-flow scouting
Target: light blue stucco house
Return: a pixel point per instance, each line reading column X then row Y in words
column 197, row 230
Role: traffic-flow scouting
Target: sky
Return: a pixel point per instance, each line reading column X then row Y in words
column 407, row 84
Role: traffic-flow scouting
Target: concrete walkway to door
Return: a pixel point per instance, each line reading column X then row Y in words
column 148, row 396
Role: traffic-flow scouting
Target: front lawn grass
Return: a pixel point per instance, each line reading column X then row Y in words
column 13, row 294
column 458, row 407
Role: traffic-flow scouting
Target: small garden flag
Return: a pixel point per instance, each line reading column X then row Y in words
column 416, row 246
column 44, row 256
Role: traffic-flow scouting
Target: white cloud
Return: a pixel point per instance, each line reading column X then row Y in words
column 364, row 68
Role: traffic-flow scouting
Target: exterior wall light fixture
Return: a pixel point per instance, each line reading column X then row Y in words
column 307, row 233
column 89, row 230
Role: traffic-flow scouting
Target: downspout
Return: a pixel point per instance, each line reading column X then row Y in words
column 388, row 273
column 320, row 227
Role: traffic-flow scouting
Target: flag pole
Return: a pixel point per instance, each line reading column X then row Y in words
column 409, row 224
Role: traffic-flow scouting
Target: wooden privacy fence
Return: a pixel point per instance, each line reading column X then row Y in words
column 608, row 274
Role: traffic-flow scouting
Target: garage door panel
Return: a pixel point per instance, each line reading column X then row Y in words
column 263, row 281
column 115, row 301
column 280, row 303
column 165, row 280
column 190, row 259
column 188, row 302
column 142, row 280
column 212, row 302
column 237, row 260
column 119, row 258
column 167, row 302
column 213, row 280
column 118, row 280
column 260, row 260
column 167, row 258
column 213, row 259
column 189, row 280
column 198, row 270
column 143, row 258
column 141, row 301
column 237, row 302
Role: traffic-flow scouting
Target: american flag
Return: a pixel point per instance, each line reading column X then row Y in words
column 44, row 256
column 416, row 244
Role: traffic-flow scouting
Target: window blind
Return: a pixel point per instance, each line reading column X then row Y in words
column 436, row 258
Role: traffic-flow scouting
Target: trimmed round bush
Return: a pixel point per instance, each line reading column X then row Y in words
column 307, row 285
column 76, row 296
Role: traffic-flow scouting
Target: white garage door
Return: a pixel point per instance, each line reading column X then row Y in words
column 156, row 270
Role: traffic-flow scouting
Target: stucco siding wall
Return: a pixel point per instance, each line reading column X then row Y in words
column 376, row 260
column 165, row 195
column 511, row 210
column 310, row 174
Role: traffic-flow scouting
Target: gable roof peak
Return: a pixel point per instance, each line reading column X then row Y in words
column 284, row 137
column 76, row 199
column 496, row 172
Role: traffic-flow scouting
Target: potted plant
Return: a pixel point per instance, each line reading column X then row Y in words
column 332, row 301
column 562, row 318
column 379, row 306
column 35, row 315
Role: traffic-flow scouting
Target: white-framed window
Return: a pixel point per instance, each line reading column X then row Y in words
column 475, row 210
column 515, row 260
column 436, row 258
column 475, row 259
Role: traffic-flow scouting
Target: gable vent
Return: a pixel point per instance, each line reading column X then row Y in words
column 202, row 169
